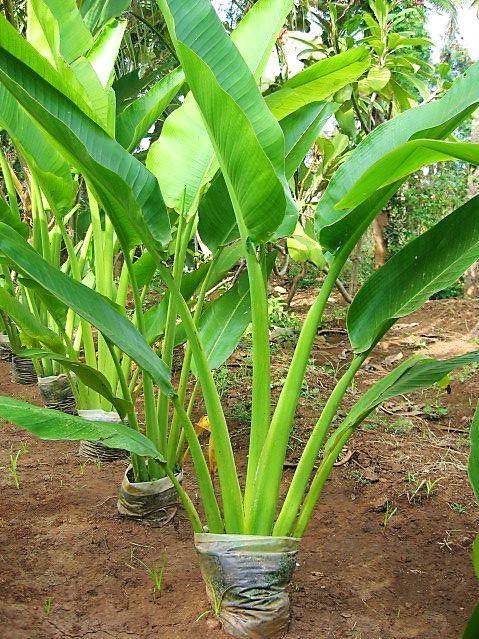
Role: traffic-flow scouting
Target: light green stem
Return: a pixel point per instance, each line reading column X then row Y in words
column 182, row 239
column 261, row 395
column 139, row 467
column 187, row 503
column 174, row 444
column 154, row 469
column 261, row 508
column 11, row 191
column 210, row 503
column 228, row 476
column 318, row 482
column 310, row 453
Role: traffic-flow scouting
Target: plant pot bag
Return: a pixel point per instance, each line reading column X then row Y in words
column 57, row 393
column 23, row 371
column 154, row 500
column 96, row 450
column 246, row 579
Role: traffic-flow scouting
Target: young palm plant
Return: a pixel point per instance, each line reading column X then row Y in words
column 244, row 534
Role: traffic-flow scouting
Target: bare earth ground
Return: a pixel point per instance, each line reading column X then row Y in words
column 71, row 568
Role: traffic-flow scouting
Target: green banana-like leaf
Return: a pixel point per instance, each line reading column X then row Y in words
column 54, row 425
column 404, row 161
column 155, row 317
column 8, row 217
column 223, row 323
column 89, row 304
column 89, row 376
column 415, row 373
column 217, row 222
column 56, row 30
column 96, row 13
column 184, row 141
column 101, row 101
column 229, row 100
column 301, row 129
column 429, row 263
column 27, row 322
column 43, row 159
column 128, row 192
column 319, row 81
column 104, row 52
column 83, row 94
column 435, row 120
column 95, row 72
column 133, row 122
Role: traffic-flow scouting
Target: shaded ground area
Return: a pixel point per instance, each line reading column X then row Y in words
column 386, row 557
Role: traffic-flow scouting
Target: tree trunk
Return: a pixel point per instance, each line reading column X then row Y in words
column 471, row 281
column 380, row 243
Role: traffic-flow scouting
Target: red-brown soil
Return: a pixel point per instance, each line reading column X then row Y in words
column 70, row 567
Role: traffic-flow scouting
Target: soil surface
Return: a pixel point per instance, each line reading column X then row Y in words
column 387, row 556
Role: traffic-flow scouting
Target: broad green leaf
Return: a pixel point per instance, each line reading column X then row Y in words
column 42, row 158
column 56, row 29
column 89, row 376
column 97, row 13
column 26, row 321
column 301, row 129
column 229, row 100
column 54, row 425
column 103, row 54
column 8, row 217
column 100, row 100
column 217, row 223
column 412, row 375
column 64, row 81
column 127, row 191
column 133, row 122
column 94, row 308
column 403, row 161
column 430, row 263
column 224, row 322
column 434, row 120
column 319, row 81
column 184, row 142
column 376, row 80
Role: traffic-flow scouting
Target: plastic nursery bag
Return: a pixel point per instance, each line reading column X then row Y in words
column 246, row 579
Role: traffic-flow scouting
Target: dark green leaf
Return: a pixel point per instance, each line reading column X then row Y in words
column 428, row 264
column 90, row 305
column 319, row 81
column 128, row 192
column 133, row 122
column 89, row 376
column 55, row 425
column 434, row 120
column 229, row 100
